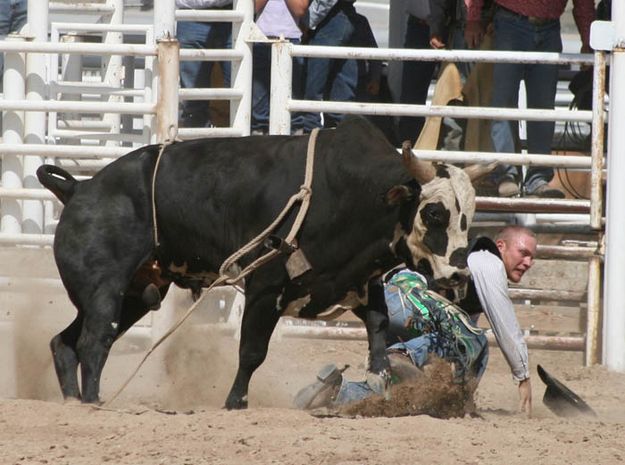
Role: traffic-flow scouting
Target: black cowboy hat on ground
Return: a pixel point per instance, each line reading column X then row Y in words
column 560, row 399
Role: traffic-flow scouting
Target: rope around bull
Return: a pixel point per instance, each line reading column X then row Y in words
column 303, row 196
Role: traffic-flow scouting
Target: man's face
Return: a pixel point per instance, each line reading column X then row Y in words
column 518, row 254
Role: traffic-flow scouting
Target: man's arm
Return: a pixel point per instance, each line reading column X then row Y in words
column 584, row 14
column 491, row 285
column 474, row 29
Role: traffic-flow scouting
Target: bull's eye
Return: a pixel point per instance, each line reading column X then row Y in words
column 435, row 215
column 435, row 218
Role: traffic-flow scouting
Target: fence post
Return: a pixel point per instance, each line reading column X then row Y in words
column 614, row 316
column 167, row 105
column 13, row 133
column 241, row 75
column 112, row 69
column 281, row 79
column 35, row 121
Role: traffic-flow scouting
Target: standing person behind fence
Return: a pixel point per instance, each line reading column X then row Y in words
column 530, row 26
column 422, row 322
column 416, row 75
column 369, row 71
column 197, row 74
column 13, row 16
column 276, row 19
column 329, row 23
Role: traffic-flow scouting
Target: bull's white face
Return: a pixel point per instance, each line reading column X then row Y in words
column 438, row 240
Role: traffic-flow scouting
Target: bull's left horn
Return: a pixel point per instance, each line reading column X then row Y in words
column 477, row 171
column 422, row 171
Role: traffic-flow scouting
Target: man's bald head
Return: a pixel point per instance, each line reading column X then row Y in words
column 517, row 246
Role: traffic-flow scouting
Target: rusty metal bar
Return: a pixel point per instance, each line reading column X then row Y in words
column 569, row 343
column 546, row 294
column 568, row 252
column 593, row 315
column 598, row 120
column 530, row 205
column 312, row 331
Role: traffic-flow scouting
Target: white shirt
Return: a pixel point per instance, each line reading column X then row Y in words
column 491, row 284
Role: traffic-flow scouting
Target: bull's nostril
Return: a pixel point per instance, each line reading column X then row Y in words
column 458, row 258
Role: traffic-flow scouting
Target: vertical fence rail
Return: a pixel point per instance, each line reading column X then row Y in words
column 113, row 69
column 13, row 133
column 240, row 109
column 614, row 317
column 35, row 121
column 281, row 92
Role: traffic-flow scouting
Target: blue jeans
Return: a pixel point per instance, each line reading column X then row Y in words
column 513, row 32
column 261, row 85
column 197, row 74
column 331, row 79
column 416, row 78
column 13, row 16
column 418, row 348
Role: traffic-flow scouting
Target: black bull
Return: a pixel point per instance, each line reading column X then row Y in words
column 212, row 197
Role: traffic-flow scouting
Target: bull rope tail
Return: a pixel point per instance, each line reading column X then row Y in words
column 172, row 137
column 303, row 195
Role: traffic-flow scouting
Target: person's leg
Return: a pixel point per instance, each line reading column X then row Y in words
column 416, row 78
column 331, row 32
column 297, row 89
column 541, row 83
column 510, row 34
column 221, row 37
column 194, row 74
column 418, row 348
column 343, row 82
column 260, row 88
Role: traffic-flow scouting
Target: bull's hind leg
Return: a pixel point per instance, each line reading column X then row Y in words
column 99, row 330
column 63, row 347
column 107, row 324
column 259, row 320
column 375, row 317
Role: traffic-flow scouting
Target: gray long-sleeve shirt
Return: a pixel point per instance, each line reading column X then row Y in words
column 491, row 284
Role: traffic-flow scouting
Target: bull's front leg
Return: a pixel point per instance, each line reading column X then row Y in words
column 376, row 321
column 259, row 320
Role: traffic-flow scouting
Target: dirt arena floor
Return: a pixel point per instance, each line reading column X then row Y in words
column 171, row 412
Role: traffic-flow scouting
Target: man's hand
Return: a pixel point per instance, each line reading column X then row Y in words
column 525, row 397
column 473, row 33
column 437, row 42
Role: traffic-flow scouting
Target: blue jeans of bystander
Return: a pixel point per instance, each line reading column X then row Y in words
column 416, row 78
column 515, row 32
column 333, row 79
column 197, row 74
column 261, row 85
column 13, row 15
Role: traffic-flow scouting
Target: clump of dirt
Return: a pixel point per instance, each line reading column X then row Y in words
column 435, row 394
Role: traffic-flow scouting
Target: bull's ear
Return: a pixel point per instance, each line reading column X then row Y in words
column 398, row 194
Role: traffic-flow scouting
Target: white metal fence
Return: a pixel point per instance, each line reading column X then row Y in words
column 88, row 143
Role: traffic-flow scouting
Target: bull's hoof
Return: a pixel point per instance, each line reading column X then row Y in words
column 380, row 383
column 233, row 403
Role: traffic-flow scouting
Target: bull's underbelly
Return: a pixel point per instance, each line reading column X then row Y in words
column 351, row 301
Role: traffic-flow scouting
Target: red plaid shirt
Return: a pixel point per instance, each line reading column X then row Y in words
column 583, row 11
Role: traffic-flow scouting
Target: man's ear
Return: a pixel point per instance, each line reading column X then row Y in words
column 501, row 244
column 401, row 193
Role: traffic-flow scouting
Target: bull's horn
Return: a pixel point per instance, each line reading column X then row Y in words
column 477, row 171
column 422, row 171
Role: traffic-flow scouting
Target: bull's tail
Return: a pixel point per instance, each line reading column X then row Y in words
column 58, row 181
